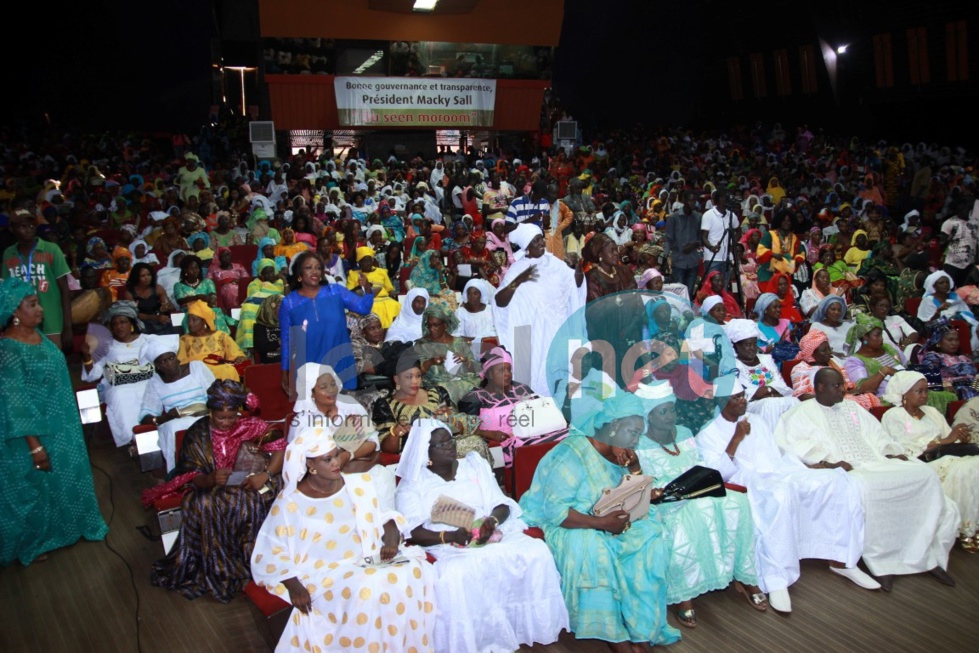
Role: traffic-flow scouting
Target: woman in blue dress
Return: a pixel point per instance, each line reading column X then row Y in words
column 613, row 570
column 313, row 324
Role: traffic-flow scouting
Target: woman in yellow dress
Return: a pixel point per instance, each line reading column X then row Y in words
column 323, row 547
column 385, row 306
column 203, row 343
column 290, row 247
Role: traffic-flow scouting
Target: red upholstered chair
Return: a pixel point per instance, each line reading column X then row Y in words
column 243, row 289
column 953, row 408
column 878, row 411
column 245, row 255
column 525, row 460
column 911, row 305
column 266, row 382
column 272, row 613
column 787, row 367
column 749, row 305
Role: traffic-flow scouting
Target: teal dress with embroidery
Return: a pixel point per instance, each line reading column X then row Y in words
column 42, row 511
column 713, row 537
column 614, row 585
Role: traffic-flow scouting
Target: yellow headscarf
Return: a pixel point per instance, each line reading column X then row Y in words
column 853, row 240
column 203, row 311
column 364, row 251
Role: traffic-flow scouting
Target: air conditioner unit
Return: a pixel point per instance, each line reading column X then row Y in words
column 261, row 132
column 567, row 130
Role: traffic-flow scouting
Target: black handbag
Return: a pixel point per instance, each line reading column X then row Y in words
column 957, row 449
column 696, row 482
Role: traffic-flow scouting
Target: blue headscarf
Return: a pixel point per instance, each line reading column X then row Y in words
column 820, row 314
column 280, row 261
column 765, row 300
column 12, row 292
column 620, row 404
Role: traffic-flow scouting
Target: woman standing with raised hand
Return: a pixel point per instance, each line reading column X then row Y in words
column 315, row 314
column 47, row 499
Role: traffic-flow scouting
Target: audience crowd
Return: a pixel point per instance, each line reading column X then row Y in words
column 793, row 311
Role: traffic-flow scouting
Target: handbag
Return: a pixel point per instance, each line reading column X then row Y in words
column 126, row 373
column 250, row 459
column 958, row 449
column 698, row 481
column 632, row 494
column 535, row 417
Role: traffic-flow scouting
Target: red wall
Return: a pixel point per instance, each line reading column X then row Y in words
column 514, row 22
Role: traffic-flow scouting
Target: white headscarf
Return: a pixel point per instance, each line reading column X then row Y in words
column 157, row 346
column 740, row 329
column 710, row 303
column 933, row 278
column 414, row 458
column 373, row 229
column 727, row 386
column 150, row 257
column 306, row 378
column 407, row 327
column 522, row 236
column 485, row 290
column 899, row 385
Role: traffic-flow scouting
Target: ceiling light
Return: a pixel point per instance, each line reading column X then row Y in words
column 842, row 49
column 425, row 5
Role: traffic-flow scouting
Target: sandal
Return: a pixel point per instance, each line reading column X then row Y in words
column 756, row 600
column 687, row 618
column 970, row 544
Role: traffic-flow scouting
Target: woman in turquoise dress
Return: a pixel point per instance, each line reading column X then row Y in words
column 713, row 537
column 47, row 498
column 613, row 570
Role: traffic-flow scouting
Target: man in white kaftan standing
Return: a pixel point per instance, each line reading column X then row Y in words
column 537, row 295
column 798, row 512
column 910, row 524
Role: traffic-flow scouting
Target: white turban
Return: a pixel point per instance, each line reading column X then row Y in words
column 157, row 346
column 306, row 378
column 741, row 329
column 933, row 278
column 899, row 385
column 710, row 303
column 654, row 394
column 521, row 237
column 727, row 386
column 414, row 458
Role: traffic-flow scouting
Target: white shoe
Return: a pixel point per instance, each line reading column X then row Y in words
column 858, row 577
column 779, row 601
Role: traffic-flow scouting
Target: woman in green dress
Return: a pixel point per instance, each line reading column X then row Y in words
column 713, row 537
column 613, row 571
column 447, row 360
column 47, row 498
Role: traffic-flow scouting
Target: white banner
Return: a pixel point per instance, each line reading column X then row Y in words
column 415, row 102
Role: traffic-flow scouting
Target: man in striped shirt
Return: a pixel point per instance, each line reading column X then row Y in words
column 532, row 208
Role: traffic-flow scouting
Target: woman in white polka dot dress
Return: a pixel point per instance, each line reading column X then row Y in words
column 316, row 550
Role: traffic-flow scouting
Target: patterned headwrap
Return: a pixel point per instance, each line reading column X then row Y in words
column 311, row 442
column 809, row 343
column 203, row 311
column 200, row 235
column 864, row 324
column 937, row 329
column 496, row 356
column 93, row 243
column 12, row 293
column 126, row 308
column 442, row 312
column 226, row 394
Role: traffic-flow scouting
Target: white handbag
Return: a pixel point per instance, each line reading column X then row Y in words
column 632, row 494
column 537, row 416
